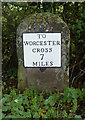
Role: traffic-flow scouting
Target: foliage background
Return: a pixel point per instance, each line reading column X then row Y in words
column 73, row 13
column 72, row 103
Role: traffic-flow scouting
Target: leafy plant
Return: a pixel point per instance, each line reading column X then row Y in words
column 32, row 104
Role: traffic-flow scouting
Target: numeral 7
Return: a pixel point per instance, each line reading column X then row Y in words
column 42, row 55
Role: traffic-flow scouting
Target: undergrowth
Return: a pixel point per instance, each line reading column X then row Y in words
column 34, row 104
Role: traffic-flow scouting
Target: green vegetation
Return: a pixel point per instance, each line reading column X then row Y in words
column 33, row 104
column 73, row 13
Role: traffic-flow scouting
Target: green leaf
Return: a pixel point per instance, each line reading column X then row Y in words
column 36, row 115
column 46, row 102
column 64, row 114
column 5, row 108
column 78, row 116
column 3, row 115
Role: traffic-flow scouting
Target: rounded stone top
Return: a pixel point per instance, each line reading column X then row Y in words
column 51, row 78
column 47, row 21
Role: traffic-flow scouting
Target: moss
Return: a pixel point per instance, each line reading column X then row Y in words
column 21, row 77
column 43, row 18
column 64, row 26
column 51, row 23
column 69, row 38
column 26, row 20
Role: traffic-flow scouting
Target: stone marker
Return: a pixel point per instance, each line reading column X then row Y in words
column 43, row 52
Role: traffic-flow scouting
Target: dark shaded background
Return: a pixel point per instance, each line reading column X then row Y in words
column 72, row 13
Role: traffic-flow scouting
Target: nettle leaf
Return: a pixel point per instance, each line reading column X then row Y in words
column 6, row 98
column 53, row 112
column 20, row 101
column 16, row 100
column 26, row 92
column 73, row 27
column 36, row 115
column 74, row 95
column 70, row 93
column 11, row 116
column 41, row 97
column 26, row 102
column 46, row 102
column 34, row 107
column 5, row 108
column 78, row 116
column 21, row 108
column 46, row 107
column 48, row 113
column 74, row 108
column 52, row 103
column 14, row 109
column 3, row 115
column 64, row 114
column 13, row 93
column 21, row 112
column 8, row 104
column 28, row 113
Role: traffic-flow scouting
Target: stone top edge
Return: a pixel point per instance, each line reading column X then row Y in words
column 44, row 13
column 30, row 19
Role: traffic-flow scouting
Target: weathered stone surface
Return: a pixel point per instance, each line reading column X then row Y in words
column 0, row 44
column 51, row 78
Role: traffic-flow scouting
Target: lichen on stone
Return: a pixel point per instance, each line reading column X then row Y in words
column 53, row 76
